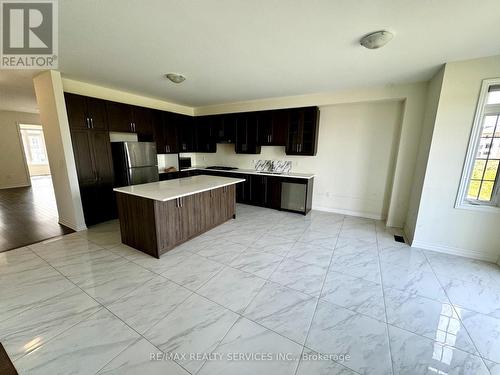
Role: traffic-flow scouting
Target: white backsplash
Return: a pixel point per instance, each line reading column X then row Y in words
column 167, row 160
column 277, row 166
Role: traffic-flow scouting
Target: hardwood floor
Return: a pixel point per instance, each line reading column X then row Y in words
column 29, row 214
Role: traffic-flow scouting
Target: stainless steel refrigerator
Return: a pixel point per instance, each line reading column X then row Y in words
column 134, row 163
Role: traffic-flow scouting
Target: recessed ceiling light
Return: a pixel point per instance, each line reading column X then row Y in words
column 175, row 77
column 377, row 39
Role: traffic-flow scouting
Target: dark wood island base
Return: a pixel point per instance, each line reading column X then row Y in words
column 155, row 227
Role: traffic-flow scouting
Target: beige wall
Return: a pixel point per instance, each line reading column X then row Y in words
column 412, row 95
column 440, row 226
column 13, row 170
column 354, row 164
column 433, row 94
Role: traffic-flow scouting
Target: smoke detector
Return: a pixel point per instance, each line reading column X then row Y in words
column 175, row 77
column 377, row 39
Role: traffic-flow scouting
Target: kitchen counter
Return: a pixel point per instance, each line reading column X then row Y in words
column 158, row 216
column 172, row 189
column 306, row 176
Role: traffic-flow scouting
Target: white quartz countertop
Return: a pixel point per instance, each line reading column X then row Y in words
column 306, row 176
column 173, row 189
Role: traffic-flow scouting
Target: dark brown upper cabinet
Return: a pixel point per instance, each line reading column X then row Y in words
column 247, row 133
column 130, row 119
column 85, row 113
column 120, row 117
column 302, row 137
column 165, row 132
column 205, row 134
column 186, row 129
column 273, row 127
column 225, row 128
column 143, row 123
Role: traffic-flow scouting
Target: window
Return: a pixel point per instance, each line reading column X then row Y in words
column 34, row 144
column 480, row 181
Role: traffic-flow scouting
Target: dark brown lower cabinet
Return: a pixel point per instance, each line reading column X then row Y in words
column 155, row 227
column 94, row 168
column 264, row 190
column 273, row 192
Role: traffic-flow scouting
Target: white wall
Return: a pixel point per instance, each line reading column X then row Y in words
column 50, row 99
column 413, row 96
column 433, row 94
column 440, row 226
column 13, row 170
column 354, row 164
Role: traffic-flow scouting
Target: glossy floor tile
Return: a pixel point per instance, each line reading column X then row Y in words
column 316, row 294
column 283, row 310
column 83, row 349
column 413, row 354
column 247, row 339
column 196, row 326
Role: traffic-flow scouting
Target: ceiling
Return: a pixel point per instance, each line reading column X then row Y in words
column 236, row 50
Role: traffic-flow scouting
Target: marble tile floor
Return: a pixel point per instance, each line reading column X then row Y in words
column 268, row 293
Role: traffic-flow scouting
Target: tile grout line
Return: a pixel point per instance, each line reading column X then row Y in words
column 480, row 355
column 317, row 303
column 383, row 298
column 244, row 309
column 194, row 292
column 102, row 308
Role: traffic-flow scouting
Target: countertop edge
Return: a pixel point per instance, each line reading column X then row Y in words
column 244, row 171
column 117, row 190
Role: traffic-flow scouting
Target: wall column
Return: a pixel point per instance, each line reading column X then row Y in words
column 50, row 99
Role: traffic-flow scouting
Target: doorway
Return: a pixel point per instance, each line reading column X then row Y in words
column 35, row 152
column 29, row 214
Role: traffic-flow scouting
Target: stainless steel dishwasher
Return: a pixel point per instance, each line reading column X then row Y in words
column 293, row 196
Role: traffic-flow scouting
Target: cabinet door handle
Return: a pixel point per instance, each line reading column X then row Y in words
column 87, row 122
column 91, row 123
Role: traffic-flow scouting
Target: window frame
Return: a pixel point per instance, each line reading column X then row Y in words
column 462, row 201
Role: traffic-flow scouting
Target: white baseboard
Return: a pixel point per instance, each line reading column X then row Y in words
column 14, row 186
column 474, row 254
column 75, row 227
column 408, row 236
column 349, row 212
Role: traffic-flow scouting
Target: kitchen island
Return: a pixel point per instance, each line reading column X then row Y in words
column 158, row 216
